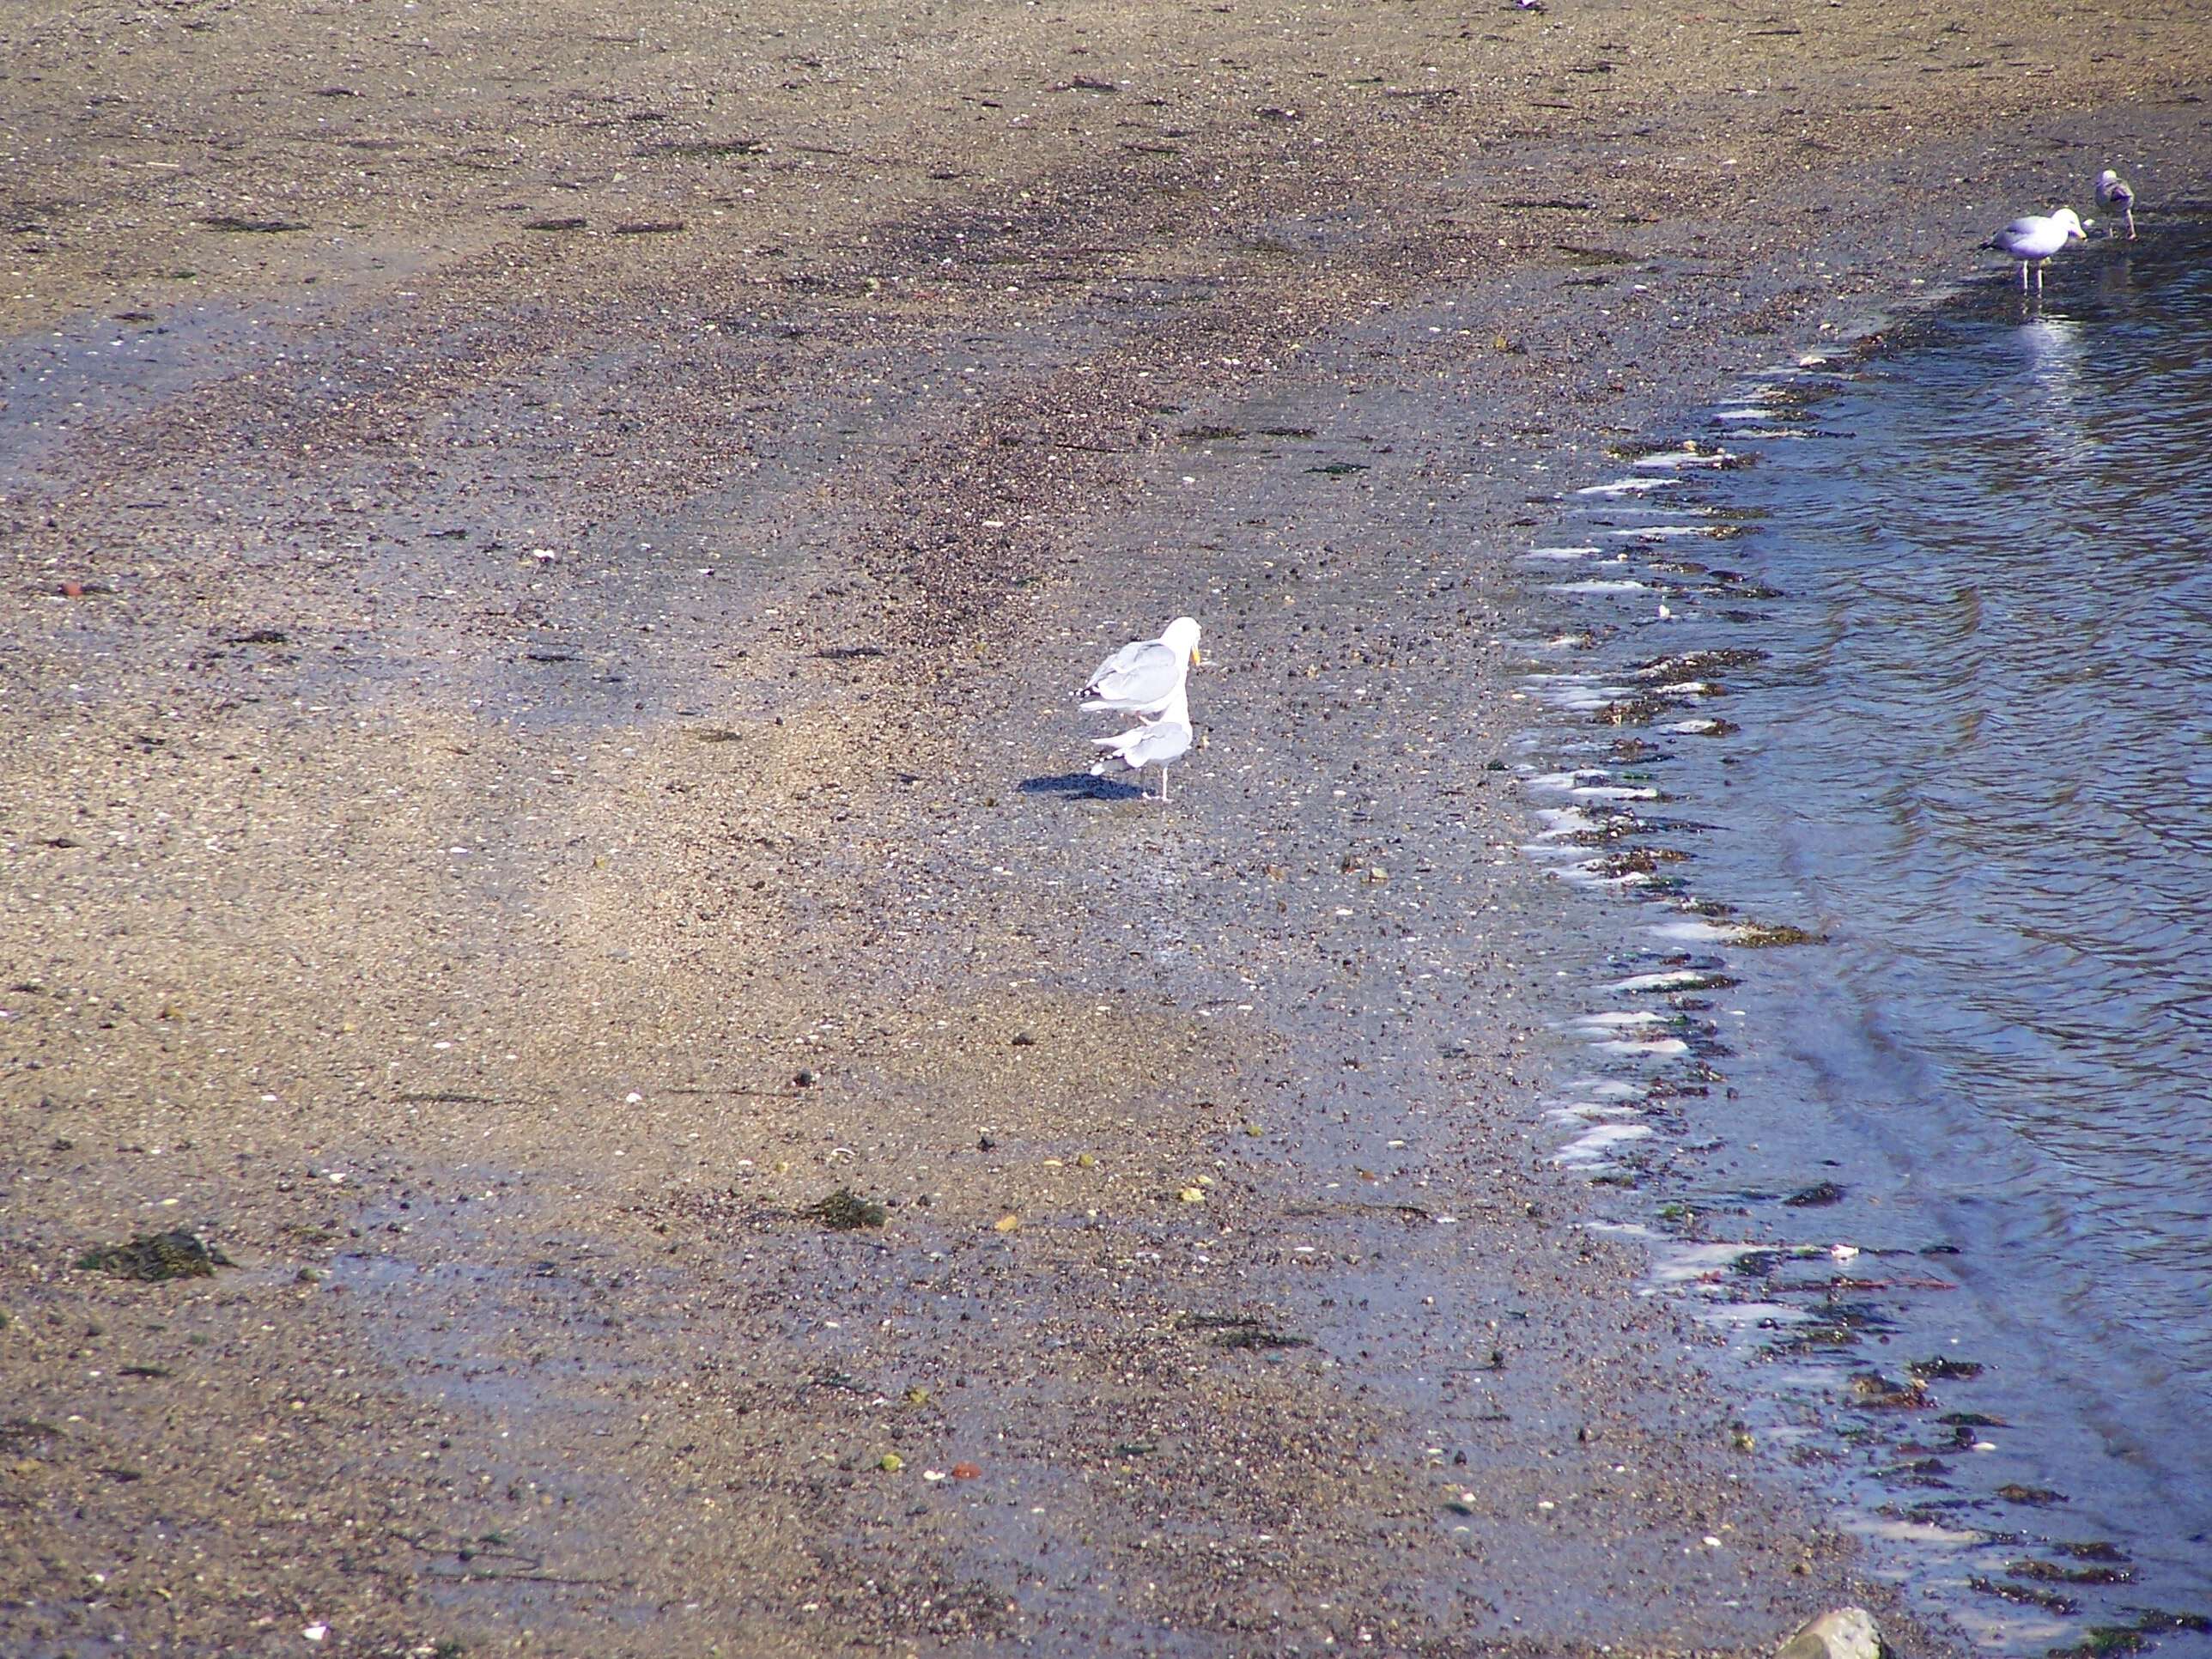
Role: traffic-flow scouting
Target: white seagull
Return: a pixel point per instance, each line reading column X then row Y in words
column 2035, row 239
column 2117, row 194
column 1157, row 743
column 1144, row 678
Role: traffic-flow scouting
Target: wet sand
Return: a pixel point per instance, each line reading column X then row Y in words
column 547, row 558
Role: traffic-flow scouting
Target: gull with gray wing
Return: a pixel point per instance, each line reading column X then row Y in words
column 2035, row 237
column 1144, row 677
column 1158, row 742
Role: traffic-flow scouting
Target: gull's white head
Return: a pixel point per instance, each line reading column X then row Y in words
column 2071, row 221
column 2107, row 178
column 1181, row 636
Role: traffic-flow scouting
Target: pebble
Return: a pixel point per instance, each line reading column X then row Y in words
column 1845, row 1633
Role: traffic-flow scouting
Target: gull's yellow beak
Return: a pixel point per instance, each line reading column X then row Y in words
column 1197, row 658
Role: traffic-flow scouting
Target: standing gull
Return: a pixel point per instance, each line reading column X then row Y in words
column 2117, row 194
column 2035, row 239
column 1157, row 743
column 1145, row 678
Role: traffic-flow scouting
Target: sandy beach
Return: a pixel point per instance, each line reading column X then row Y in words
column 548, row 558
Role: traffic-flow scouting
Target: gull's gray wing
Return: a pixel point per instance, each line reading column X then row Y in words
column 1150, row 745
column 1136, row 674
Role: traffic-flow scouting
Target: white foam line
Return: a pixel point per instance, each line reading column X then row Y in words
column 1680, row 979
column 1580, row 703
column 1589, row 1111
column 1675, row 1262
column 1594, row 874
column 1680, row 459
column 1561, row 552
column 1624, row 487
column 1578, row 875
column 1764, row 1315
column 1563, row 820
column 1610, row 1088
column 1926, row 1532
column 1598, row 585
column 1592, row 1145
column 1616, row 1019
column 1580, row 692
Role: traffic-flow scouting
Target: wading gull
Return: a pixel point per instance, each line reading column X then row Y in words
column 2117, row 194
column 1159, row 742
column 2035, row 239
column 1144, row 677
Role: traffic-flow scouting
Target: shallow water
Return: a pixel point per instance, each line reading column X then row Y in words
column 1971, row 754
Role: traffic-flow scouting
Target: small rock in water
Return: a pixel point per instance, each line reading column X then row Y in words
column 1772, row 935
column 1814, row 1197
column 1942, row 1370
column 1872, row 1389
column 1846, row 1633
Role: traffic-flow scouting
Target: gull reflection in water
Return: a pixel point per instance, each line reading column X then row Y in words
column 2055, row 353
column 2115, row 282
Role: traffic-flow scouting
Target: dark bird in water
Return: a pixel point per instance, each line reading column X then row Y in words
column 2117, row 194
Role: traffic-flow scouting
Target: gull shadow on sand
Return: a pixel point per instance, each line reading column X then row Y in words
column 1080, row 785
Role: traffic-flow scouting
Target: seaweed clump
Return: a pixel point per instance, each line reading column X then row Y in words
column 1241, row 1331
column 2049, row 1573
column 1771, row 935
column 846, row 1212
column 153, row 1257
column 2049, row 1600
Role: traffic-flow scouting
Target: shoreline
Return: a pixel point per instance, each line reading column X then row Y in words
column 494, row 933
column 1810, row 1121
